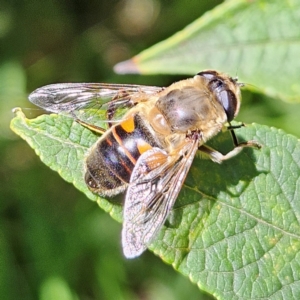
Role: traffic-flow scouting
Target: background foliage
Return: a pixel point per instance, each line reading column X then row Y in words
column 52, row 240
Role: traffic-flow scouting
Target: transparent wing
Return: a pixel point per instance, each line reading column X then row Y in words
column 154, row 186
column 73, row 97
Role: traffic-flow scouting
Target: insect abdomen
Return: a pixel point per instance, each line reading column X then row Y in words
column 111, row 161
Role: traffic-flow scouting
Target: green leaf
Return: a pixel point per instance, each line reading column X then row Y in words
column 235, row 227
column 62, row 145
column 258, row 40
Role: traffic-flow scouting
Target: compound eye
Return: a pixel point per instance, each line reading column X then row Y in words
column 229, row 102
column 224, row 95
column 216, row 85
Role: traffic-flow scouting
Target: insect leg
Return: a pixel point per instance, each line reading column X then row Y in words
column 236, row 143
column 235, row 126
column 91, row 127
column 110, row 113
column 218, row 157
column 114, row 105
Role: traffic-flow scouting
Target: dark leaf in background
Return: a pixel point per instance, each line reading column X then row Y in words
column 257, row 40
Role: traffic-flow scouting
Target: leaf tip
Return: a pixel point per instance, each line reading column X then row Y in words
column 127, row 67
column 17, row 111
column 18, row 115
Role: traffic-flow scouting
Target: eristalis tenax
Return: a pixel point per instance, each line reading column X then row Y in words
column 150, row 149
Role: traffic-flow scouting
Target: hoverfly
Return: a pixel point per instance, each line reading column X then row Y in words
column 150, row 149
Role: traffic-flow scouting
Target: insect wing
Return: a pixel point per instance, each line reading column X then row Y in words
column 72, row 98
column 154, row 186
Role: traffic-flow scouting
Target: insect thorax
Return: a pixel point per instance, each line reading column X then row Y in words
column 190, row 108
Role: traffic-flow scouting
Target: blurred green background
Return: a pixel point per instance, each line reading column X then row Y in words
column 55, row 243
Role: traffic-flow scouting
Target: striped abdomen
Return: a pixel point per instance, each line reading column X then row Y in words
column 112, row 159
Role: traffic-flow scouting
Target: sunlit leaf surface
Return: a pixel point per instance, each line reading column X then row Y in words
column 235, row 227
